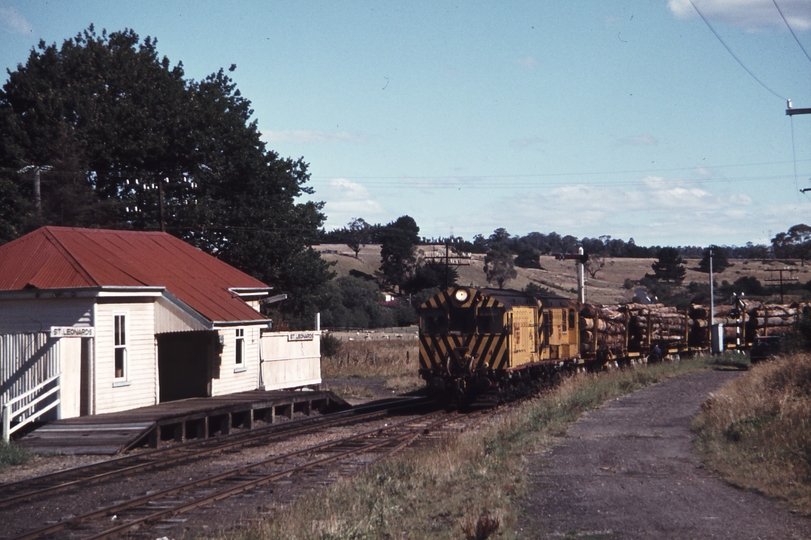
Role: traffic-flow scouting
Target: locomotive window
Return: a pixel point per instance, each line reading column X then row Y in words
column 547, row 325
column 563, row 321
column 461, row 320
column 434, row 321
column 571, row 318
column 490, row 320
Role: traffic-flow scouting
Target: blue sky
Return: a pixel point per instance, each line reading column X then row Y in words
column 589, row 118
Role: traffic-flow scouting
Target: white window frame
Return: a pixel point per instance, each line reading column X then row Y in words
column 120, row 318
column 239, row 350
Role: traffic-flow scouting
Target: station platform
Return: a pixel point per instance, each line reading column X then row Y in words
column 176, row 421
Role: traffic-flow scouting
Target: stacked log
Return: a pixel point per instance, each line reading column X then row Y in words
column 760, row 319
column 664, row 324
column 623, row 328
column 610, row 328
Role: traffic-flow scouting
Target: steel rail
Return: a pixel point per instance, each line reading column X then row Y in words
column 140, row 501
column 147, row 460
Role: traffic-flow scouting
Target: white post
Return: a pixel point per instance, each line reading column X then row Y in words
column 6, row 421
column 59, row 396
column 318, row 321
column 712, row 296
column 581, row 277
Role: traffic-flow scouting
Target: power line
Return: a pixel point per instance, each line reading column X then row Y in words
column 732, row 53
column 790, row 29
column 548, row 175
column 473, row 184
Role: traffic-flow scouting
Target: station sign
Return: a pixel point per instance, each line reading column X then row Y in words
column 73, row 331
column 301, row 336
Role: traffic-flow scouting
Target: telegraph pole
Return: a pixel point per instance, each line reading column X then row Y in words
column 38, row 170
column 791, row 112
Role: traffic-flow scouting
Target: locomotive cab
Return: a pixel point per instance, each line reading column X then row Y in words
column 470, row 338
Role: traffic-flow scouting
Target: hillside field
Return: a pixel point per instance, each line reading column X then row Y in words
column 561, row 276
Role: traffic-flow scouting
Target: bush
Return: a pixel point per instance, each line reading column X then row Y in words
column 330, row 345
column 11, row 454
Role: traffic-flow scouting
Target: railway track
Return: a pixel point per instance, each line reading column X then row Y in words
column 344, row 456
column 114, row 469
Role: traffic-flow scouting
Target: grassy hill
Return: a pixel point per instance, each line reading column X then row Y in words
column 561, row 276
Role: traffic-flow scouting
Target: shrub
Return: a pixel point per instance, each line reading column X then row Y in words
column 330, row 345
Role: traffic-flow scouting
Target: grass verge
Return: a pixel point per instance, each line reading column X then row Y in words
column 11, row 454
column 756, row 430
column 464, row 487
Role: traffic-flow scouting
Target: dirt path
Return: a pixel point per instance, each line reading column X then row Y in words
column 627, row 470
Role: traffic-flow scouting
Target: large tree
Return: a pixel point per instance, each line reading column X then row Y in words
column 795, row 243
column 398, row 242
column 499, row 267
column 669, row 266
column 121, row 139
column 720, row 261
column 359, row 233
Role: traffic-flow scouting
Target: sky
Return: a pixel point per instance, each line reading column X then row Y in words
column 634, row 119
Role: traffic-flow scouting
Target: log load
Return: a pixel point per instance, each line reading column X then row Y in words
column 620, row 328
column 617, row 329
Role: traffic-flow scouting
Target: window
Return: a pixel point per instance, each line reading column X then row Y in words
column 563, row 321
column 239, row 357
column 462, row 320
column 434, row 321
column 490, row 320
column 547, row 326
column 571, row 319
column 120, row 346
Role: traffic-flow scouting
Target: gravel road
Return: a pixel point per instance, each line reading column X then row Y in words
column 627, row 470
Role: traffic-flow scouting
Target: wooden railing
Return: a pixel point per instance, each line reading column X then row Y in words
column 10, row 412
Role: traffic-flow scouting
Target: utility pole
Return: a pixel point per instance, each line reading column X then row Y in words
column 792, row 112
column 38, row 170
column 781, row 280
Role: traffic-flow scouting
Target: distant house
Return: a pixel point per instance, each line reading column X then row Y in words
column 127, row 319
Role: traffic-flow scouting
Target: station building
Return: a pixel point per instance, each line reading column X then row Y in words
column 110, row 320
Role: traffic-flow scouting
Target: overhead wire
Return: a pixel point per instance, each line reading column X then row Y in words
column 732, row 53
column 475, row 183
column 790, row 29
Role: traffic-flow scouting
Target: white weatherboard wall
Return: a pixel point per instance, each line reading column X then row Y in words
column 140, row 388
column 291, row 359
column 39, row 314
column 234, row 378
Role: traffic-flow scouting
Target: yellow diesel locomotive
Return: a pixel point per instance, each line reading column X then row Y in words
column 476, row 342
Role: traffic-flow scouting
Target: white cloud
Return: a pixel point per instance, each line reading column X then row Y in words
column 14, row 22
column 305, row 136
column 748, row 14
column 656, row 210
column 528, row 62
column 346, row 200
column 639, row 140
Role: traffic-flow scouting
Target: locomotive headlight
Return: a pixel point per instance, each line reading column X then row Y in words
column 461, row 295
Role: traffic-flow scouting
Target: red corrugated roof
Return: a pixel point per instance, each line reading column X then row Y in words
column 63, row 257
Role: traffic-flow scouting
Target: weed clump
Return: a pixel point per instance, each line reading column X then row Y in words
column 481, row 528
column 11, row 454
